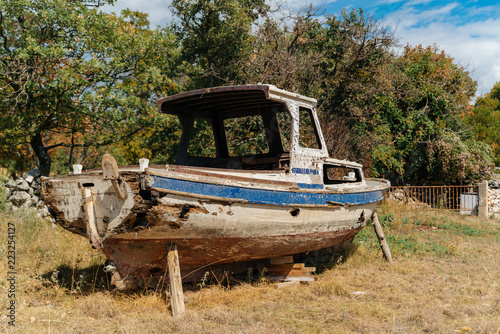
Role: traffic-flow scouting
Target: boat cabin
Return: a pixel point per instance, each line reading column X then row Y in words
column 255, row 127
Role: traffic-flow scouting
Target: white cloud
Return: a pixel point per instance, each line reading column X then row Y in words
column 158, row 10
column 409, row 16
column 475, row 45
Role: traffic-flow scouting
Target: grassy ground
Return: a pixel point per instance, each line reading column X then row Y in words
column 445, row 279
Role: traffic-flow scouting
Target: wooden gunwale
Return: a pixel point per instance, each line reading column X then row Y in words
column 221, row 175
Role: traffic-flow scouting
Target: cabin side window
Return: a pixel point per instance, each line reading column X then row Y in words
column 284, row 123
column 333, row 174
column 308, row 133
column 202, row 142
column 246, row 136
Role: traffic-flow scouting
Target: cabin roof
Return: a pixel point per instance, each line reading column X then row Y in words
column 228, row 99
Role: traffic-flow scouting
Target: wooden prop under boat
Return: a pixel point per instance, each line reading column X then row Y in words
column 253, row 195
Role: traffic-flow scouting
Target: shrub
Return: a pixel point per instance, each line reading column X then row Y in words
column 459, row 162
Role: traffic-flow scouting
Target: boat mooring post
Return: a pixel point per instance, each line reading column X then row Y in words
column 381, row 238
column 174, row 272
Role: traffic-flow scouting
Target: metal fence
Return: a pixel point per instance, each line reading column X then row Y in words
column 460, row 198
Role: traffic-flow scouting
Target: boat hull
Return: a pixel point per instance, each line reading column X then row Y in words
column 145, row 259
column 217, row 234
column 215, row 220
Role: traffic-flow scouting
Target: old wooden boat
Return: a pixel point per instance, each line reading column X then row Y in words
column 252, row 180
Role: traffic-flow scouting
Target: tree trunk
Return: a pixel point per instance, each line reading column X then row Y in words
column 44, row 161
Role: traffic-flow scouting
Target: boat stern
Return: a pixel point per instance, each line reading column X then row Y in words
column 91, row 204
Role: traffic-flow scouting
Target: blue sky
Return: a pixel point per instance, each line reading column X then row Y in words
column 468, row 31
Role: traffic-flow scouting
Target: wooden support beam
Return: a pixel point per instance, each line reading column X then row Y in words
column 89, row 216
column 284, row 270
column 381, row 238
column 291, row 271
column 308, row 278
column 174, row 272
column 288, row 266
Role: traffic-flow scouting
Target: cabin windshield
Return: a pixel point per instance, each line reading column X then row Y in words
column 244, row 127
column 239, row 140
column 246, row 136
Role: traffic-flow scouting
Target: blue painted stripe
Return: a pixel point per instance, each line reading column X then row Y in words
column 310, row 186
column 261, row 196
column 296, row 170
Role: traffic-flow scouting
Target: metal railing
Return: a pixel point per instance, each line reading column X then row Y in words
column 460, row 198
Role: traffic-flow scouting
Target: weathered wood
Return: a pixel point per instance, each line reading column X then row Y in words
column 309, row 278
column 119, row 186
column 290, row 272
column 381, row 238
column 89, row 215
column 110, row 172
column 174, row 271
column 288, row 266
column 283, row 269
column 109, row 167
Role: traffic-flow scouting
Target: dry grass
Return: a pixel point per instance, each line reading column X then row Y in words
column 445, row 279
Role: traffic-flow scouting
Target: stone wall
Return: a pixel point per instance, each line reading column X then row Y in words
column 494, row 199
column 25, row 192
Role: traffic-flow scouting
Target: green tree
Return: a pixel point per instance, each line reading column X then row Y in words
column 285, row 54
column 485, row 120
column 356, row 49
column 214, row 35
column 428, row 95
column 73, row 76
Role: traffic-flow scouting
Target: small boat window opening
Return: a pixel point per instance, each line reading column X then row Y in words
column 308, row 136
column 333, row 174
column 202, row 140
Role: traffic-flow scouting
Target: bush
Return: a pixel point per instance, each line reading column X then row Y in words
column 459, row 162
